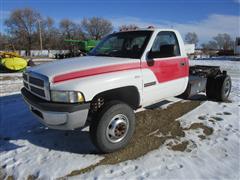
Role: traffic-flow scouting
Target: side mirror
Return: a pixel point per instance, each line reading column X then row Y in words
column 150, row 58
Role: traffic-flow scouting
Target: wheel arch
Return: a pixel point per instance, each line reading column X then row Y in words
column 128, row 94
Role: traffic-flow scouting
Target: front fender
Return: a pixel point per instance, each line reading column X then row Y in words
column 93, row 85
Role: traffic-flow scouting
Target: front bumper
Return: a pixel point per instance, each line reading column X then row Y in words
column 57, row 115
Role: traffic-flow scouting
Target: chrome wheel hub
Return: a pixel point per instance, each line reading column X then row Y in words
column 117, row 128
column 227, row 88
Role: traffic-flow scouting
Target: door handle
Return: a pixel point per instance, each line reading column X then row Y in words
column 182, row 63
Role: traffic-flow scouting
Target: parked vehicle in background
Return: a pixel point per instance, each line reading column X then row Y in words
column 79, row 48
column 127, row 70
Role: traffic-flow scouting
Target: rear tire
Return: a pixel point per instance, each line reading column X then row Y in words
column 224, row 86
column 113, row 127
column 219, row 87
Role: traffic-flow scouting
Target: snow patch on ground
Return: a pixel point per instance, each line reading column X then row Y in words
column 10, row 87
column 29, row 148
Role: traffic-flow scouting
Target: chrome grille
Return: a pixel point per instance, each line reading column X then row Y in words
column 37, row 84
column 38, row 91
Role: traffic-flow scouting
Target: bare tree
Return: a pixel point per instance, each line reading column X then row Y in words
column 128, row 26
column 4, row 42
column 211, row 45
column 22, row 26
column 96, row 27
column 79, row 34
column 68, row 28
column 224, row 41
column 51, row 35
column 48, row 33
column 191, row 38
column 219, row 42
column 209, row 48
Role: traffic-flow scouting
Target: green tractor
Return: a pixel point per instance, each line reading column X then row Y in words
column 84, row 46
column 79, row 48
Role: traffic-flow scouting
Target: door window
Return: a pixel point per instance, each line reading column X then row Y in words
column 165, row 45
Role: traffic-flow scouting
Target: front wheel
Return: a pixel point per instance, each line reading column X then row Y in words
column 113, row 127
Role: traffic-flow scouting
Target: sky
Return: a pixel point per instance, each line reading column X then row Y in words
column 205, row 17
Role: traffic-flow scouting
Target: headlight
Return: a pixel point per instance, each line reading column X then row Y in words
column 67, row 96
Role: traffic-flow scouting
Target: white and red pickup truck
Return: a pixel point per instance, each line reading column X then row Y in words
column 125, row 71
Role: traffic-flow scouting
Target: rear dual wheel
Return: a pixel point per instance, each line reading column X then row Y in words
column 219, row 88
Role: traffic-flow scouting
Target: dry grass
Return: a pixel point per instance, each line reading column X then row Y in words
column 206, row 130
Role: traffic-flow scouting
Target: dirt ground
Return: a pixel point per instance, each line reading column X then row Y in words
column 153, row 128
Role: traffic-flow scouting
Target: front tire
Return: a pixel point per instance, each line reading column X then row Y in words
column 113, row 127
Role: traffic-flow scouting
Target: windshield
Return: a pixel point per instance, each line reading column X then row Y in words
column 123, row 44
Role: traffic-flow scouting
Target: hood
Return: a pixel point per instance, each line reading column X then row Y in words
column 59, row 67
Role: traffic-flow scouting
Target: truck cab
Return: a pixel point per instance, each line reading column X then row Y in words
column 125, row 71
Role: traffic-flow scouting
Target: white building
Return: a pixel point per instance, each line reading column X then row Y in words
column 237, row 46
column 190, row 48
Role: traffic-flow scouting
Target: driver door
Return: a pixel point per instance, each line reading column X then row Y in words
column 167, row 69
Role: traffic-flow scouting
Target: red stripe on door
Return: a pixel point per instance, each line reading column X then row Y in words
column 169, row 69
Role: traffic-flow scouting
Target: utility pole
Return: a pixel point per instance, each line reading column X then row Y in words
column 40, row 35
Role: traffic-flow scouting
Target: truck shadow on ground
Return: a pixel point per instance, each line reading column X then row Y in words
column 18, row 123
column 197, row 97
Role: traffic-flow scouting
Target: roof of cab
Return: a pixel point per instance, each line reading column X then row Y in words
column 147, row 29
